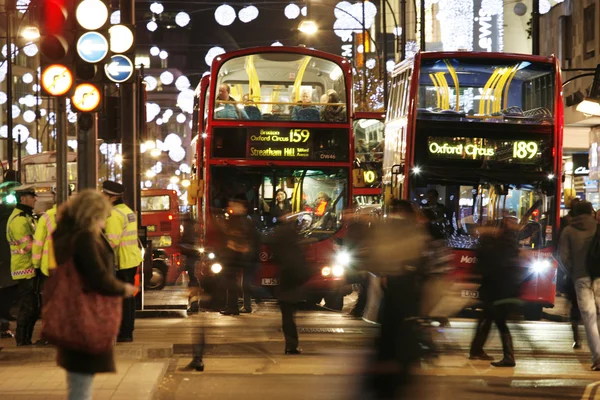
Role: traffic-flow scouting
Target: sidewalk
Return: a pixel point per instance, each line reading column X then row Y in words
column 44, row 380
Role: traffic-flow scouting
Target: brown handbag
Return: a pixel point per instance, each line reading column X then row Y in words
column 75, row 318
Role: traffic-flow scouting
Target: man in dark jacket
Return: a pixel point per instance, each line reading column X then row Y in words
column 498, row 264
column 573, row 248
column 288, row 255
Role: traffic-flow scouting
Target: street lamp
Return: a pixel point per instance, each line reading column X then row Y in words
column 308, row 27
column 591, row 104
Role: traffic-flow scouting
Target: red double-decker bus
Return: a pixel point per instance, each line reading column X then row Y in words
column 475, row 138
column 275, row 121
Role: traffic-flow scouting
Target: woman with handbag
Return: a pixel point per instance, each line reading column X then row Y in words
column 82, row 308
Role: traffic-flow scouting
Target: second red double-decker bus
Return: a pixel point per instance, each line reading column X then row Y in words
column 475, row 138
column 275, row 129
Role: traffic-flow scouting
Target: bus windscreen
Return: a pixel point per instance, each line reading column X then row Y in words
column 487, row 90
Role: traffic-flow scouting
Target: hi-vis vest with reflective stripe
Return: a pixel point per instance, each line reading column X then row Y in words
column 43, row 248
column 122, row 233
column 19, row 233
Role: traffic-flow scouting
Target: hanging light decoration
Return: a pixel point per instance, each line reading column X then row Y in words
column 166, row 77
column 303, row 11
column 545, row 6
column 2, row 98
column 163, row 55
column 212, row 53
column 16, row 111
column 292, row 11
column 115, row 17
column 21, row 130
column 33, row 146
column 349, row 18
column 389, row 66
column 14, row 51
column 151, row 83
column 157, row 8
column 248, row 14
column 154, row 51
column 185, row 101
column 370, row 63
column 182, row 19
column 172, row 141
column 177, row 154
column 29, row 116
column 4, row 131
column 152, row 26
column 27, row 77
column 225, row 15
column 278, row 43
column 182, row 83
column 180, row 118
column 30, row 49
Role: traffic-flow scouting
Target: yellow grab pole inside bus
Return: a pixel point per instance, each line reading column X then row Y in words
column 512, row 75
column 441, row 77
column 299, row 77
column 484, row 94
column 253, row 81
column 456, row 84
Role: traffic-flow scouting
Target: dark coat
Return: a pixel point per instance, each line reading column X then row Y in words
column 498, row 264
column 288, row 255
column 94, row 259
column 242, row 243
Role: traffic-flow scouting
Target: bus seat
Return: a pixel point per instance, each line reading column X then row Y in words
column 253, row 113
column 309, row 114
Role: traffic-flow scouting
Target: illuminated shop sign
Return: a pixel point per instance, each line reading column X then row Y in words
column 483, row 148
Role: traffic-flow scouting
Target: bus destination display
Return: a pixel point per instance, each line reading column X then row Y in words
column 280, row 143
column 500, row 150
column 275, row 143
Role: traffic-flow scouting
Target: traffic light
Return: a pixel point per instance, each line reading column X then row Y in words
column 56, row 19
column 93, row 48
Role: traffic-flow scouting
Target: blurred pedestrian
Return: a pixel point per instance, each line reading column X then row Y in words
column 19, row 233
column 288, row 255
column 355, row 245
column 78, row 238
column 398, row 250
column 189, row 248
column 240, row 252
column 122, row 232
column 573, row 249
column 498, row 264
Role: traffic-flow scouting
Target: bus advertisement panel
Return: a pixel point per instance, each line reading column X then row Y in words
column 275, row 130
column 476, row 138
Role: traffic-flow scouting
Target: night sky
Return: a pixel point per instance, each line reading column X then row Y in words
column 188, row 46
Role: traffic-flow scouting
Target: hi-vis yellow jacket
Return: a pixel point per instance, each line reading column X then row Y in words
column 43, row 249
column 19, row 233
column 122, row 233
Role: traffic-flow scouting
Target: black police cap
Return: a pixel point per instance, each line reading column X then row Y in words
column 112, row 188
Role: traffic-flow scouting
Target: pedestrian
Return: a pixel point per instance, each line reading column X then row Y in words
column 289, row 257
column 122, row 233
column 189, row 248
column 240, row 251
column 78, row 238
column 19, row 233
column 573, row 250
column 399, row 264
column 498, row 264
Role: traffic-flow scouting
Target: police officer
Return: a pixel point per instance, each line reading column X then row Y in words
column 122, row 233
column 43, row 251
column 19, row 233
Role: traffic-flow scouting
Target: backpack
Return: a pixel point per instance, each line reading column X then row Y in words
column 593, row 255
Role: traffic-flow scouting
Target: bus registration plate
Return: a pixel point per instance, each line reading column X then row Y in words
column 472, row 294
column 270, row 281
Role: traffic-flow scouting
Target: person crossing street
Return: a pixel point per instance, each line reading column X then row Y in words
column 122, row 233
column 19, row 233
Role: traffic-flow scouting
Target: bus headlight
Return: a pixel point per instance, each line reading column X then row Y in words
column 343, row 258
column 540, row 266
column 326, row 271
column 216, row 268
column 337, row 271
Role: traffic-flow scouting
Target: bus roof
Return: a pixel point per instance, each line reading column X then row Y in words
column 341, row 61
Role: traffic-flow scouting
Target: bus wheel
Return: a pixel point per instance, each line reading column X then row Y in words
column 334, row 301
column 159, row 276
column 533, row 312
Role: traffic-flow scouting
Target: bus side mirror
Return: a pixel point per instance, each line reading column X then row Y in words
column 358, row 177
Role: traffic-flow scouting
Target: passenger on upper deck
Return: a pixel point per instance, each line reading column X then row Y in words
column 334, row 112
column 227, row 110
column 299, row 113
